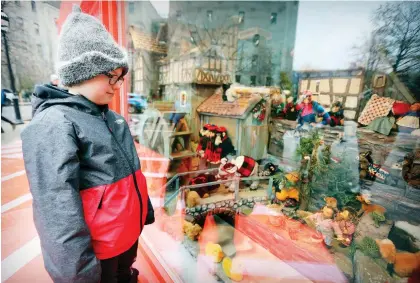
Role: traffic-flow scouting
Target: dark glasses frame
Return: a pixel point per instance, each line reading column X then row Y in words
column 113, row 81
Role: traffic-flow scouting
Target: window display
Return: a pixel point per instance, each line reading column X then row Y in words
column 309, row 175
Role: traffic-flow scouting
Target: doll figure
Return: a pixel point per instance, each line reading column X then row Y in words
column 290, row 112
column 309, row 110
column 223, row 145
column 211, row 136
column 203, row 140
column 336, row 114
column 324, row 223
column 278, row 105
column 346, row 226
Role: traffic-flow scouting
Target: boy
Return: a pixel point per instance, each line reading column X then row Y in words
column 90, row 198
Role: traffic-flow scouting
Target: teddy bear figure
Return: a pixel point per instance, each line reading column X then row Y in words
column 346, row 226
column 336, row 114
column 192, row 231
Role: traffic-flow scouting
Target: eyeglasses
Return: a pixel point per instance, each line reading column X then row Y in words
column 114, row 79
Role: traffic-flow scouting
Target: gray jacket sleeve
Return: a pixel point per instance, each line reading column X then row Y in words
column 52, row 167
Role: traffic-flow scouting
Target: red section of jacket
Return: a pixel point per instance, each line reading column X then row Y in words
column 112, row 213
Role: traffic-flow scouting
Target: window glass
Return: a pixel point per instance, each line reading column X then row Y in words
column 288, row 128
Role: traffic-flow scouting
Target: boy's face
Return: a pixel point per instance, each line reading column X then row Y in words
column 99, row 90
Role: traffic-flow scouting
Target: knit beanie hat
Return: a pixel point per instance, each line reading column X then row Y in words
column 86, row 49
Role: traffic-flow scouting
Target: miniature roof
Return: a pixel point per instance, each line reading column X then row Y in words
column 239, row 109
column 144, row 41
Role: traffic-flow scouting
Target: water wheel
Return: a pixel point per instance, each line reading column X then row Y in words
column 153, row 132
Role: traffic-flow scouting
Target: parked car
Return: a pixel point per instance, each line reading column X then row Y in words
column 8, row 97
column 137, row 103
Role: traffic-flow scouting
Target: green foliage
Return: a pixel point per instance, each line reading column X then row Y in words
column 307, row 144
column 352, row 249
column 285, row 82
column 378, row 218
column 339, row 180
column 369, row 247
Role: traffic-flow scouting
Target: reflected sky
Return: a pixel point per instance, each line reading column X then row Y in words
column 326, row 31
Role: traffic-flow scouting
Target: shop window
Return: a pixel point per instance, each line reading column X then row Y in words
column 253, row 80
column 241, row 17
column 131, row 7
column 273, row 18
column 268, row 81
column 36, row 28
column 33, row 5
column 178, row 15
column 238, row 78
column 210, row 15
column 254, row 59
column 256, row 39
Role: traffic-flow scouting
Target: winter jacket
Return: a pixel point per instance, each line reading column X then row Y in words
column 90, row 197
column 308, row 113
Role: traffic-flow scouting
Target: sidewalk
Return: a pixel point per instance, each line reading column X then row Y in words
column 21, row 253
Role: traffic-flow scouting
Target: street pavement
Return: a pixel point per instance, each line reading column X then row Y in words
column 21, row 253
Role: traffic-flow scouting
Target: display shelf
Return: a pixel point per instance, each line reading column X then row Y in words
column 182, row 154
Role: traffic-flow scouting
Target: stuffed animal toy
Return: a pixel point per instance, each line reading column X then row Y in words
column 227, row 171
column 336, row 114
column 192, row 231
column 247, row 167
column 290, row 111
column 411, row 121
column 411, row 169
column 365, row 160
column 331, row 202
column 242, row 166
column 192, row 199
column 309, row 110
column 225, row 87
column 367, row 206
column 214, row 251
column 231, row 94
column 289, row 187
column 347, row 227
column 204, row 191
column 278, row 105
column 403, row 263
column 269, row 170
column 233, row 268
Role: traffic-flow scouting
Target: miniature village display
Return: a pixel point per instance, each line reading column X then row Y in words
column 319, row 207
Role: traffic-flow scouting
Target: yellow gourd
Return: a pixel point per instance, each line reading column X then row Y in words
column 214, row 251
column 233, row 269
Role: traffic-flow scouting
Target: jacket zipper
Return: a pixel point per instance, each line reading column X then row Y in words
column 133, row 173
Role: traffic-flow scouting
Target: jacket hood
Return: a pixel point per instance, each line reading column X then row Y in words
column 46, row 96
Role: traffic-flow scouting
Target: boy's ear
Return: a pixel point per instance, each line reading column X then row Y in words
column 378, row 242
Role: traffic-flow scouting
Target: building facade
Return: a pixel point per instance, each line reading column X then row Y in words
column 32, row 40
column 145, row 28
column 256, row 38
